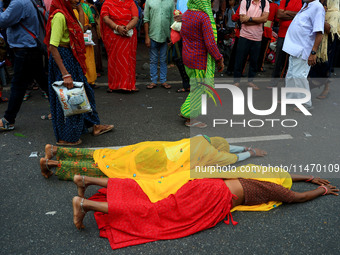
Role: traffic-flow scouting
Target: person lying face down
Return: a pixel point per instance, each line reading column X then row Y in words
column 148, row 163
column 126, row 216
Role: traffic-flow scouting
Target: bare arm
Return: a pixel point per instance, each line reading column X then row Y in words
column 312, row 179
column 133, row 22
column 147, row 38
column 312, row 194
column 255, row 20
column 312, row 58
column 68, row 81
column 120, row 29
column 285, row 15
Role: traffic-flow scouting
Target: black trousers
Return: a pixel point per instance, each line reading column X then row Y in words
column 27, row 66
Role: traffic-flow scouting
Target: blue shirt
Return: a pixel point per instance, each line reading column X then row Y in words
column 20, row 11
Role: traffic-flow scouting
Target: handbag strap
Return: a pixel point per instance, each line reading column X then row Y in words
column 28, row 31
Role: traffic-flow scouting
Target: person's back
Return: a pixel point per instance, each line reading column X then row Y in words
column 198, row 39
column 21, row 20
column 20, row 14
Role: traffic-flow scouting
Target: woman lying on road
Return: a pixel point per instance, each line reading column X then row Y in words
column 148, row 163
column 126, row 216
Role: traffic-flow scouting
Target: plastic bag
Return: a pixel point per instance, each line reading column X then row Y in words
column 175, row 29
column 73, row 101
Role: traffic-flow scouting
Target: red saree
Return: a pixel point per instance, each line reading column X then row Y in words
column 121, row 50
column 133, row 219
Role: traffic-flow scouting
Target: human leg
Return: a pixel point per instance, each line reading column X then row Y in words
column 153, row 61
column 83, row 182
column 254, row 52
column 39, row 72
column 297, row 78
column 163, row 47
column 46, row 165
column 280, row 60
column 241, row 53
column 263, row 52
column 232, row 58
column 81, row 206
column 19, row 84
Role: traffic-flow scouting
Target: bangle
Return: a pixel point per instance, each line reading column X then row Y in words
column 310, row 179
column 326, row 190
column 66, row 75
column 117, row 28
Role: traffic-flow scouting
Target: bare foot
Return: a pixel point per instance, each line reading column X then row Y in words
column 80, row 182
column 44, row 171
column 50, row 151
column 78, row 214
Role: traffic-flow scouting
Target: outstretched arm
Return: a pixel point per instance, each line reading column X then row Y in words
column 309, row 178
column 312, row 194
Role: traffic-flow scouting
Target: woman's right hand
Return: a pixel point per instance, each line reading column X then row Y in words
column 68, row 82
column 331, row 190
column 122, row 30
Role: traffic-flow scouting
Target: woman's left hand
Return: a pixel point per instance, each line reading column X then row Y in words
column 320, row 181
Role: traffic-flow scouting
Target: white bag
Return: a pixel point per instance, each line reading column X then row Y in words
column 73, row 101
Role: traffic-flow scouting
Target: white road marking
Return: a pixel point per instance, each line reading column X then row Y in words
column 233, row 140
column 259, row 138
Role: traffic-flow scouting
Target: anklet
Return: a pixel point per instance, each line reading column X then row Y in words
column 46, row 163
column 81, row 205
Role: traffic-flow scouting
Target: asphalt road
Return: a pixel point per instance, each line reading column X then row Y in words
column 309, row 228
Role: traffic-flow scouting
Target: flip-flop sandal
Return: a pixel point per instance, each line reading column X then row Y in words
column 197, row 124
column 106, row 129
column 166, row 86
column 44, row 95
column 46, row 117
column 64, row 143
column 151, row 86
column 26, row 97
column 3, row 99
column 254, row 87
column 109, row 91
column 183, row 90
column 323, row 96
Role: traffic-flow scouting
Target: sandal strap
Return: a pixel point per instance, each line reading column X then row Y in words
column 83, row 179
column 6, row 125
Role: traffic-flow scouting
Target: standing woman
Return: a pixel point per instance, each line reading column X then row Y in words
column 200, row 53
column 64, row 39
column 118, row 19
column 91, row 73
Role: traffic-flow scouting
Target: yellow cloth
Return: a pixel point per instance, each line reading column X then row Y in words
column 160, row 168
column 59, row 31
column 277, row 176
column 91, row 72
column 332, row 17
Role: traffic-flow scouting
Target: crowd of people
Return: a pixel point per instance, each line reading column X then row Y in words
column 149, row 194
column 247, row 27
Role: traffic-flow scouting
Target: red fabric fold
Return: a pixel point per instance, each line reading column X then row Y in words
column 133, row 219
